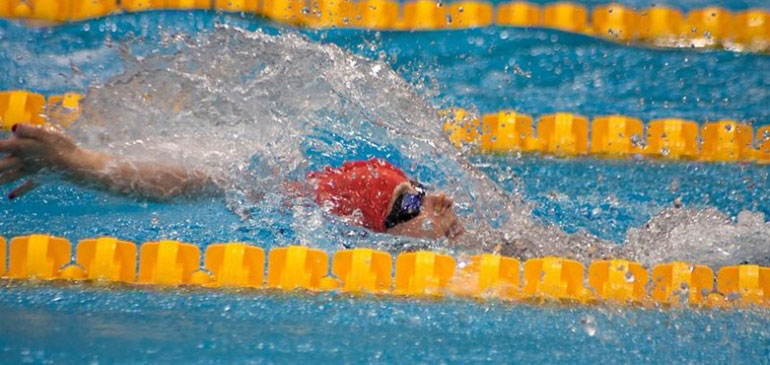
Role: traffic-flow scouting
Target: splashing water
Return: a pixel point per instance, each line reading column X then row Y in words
column 701, row 236
column 261, row 110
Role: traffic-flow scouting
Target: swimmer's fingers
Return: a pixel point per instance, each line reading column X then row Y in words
column 10, row 145
column 17, row 146
column 22, row 189
column 37, row 132
column 48, row 141
column 10, row 163
column 11, row 175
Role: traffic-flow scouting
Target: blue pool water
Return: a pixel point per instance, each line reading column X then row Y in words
column 535, row 71
column 67, row 325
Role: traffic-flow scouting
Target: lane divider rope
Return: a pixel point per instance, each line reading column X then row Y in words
column 658, row 25
column 561, row 134
column 418, row 274
column 612, row 136
column 171, row 263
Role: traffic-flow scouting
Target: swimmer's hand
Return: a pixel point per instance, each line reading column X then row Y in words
column 32, row 149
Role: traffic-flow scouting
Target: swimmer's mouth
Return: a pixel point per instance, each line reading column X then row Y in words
column 455, row 230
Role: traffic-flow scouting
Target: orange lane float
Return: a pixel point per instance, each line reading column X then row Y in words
column 139, row 5
column 727, row 141
column 420, row 274
column 87, row 9
column 519, row 15
column 746, row 284
column 751, row 29
column 423, row 273
column 763, row 142
column 554, row 278
column 20, row 106
column 167, row 263
column 422, row 15
column 709, row 25
column 560, row 134
column 619, row 281
column 332, row 13
column 188, row 4
column 678, row 282
column 659, row 25
column 64, row 109
column 107, row 258
column 363, row 270
column 461, row 127
column 469, row 14
column 235, row 265
column 3, row 255
column 44, row 10
column 563, row 134
column 672, row 139
column 376, row 14
column 567, row 17
column 297, row 267
column 488, row 276
column 615, row 22
column 241, row 6
column 616, row 135
column 37, row 257
column 507, row 131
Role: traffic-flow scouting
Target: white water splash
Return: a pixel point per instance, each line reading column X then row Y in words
column 264, row 109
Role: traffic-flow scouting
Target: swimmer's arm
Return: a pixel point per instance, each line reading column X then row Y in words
column 145, row 179
column 33, row 148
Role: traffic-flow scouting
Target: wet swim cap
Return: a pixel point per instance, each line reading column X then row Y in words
column 360, row 190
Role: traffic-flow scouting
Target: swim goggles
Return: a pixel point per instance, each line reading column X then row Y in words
column 406, row 206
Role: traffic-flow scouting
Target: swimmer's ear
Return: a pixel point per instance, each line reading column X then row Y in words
column 22, row 189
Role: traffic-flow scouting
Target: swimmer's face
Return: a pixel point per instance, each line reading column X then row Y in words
column 437, row 218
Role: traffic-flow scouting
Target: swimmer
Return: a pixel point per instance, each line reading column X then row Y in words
column 372, row 194
column 375, row 195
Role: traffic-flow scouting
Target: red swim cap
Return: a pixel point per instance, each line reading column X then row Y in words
column 363, row 186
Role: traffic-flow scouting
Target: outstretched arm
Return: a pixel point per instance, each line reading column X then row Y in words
column 32, row 148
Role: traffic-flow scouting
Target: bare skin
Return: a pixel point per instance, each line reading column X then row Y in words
column 32, row 149
column 437, row 217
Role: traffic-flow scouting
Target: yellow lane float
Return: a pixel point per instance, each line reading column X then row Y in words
column 417, row 274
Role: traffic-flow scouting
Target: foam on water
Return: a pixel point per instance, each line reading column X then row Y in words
column 263, row 109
